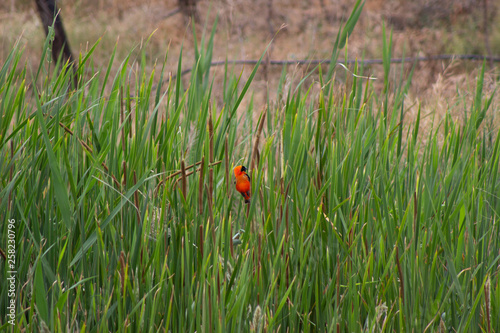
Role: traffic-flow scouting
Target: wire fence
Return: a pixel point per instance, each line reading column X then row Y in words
column 472, row 57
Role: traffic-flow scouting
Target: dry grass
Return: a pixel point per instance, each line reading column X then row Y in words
column 308, row 31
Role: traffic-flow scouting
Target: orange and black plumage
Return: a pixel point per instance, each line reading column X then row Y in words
column 243, row 182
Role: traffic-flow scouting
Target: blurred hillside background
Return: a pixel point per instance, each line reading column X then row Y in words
column 307, row 30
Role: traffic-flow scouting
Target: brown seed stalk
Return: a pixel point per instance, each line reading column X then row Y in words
column 183, row 179
column 179, row 172
column 210, row 212
column 200, row 187
column 190, row 173
column 122, row 270
column 400, row 272
column 124, row 166
column 87, row 148
column 211, row 151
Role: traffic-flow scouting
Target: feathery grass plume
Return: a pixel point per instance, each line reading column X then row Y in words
column 227, row 267
column 380, row 312
column 154, row 225
column 256, row 324
column 43, row 327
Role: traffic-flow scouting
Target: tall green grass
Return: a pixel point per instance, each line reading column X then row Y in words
column 355, row 224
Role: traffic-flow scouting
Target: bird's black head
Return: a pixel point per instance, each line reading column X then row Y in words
column 243, row 168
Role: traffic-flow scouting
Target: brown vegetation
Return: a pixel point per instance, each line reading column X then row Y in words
column 301, row 29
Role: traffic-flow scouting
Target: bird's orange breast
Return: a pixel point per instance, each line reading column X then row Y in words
column 242, row 184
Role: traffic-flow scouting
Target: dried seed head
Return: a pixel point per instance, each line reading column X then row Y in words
column 257, row 318
column 442, row 324
column 381, row 311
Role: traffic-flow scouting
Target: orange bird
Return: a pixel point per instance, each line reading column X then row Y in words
column 242, row 182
